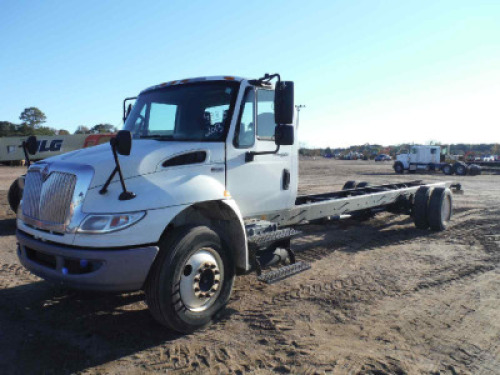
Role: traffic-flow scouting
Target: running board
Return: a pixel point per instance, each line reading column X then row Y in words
column 284, row 272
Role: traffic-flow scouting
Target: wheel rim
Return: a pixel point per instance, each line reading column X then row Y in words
column 446, row 210
column 201, row 279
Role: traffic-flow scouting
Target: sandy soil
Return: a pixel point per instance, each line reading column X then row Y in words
column 381, row 297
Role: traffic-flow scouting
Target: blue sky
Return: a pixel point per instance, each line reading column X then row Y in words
column 368, row 71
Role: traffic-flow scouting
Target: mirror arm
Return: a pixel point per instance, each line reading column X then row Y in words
column 250, row 155
column 125, row 195
column 26, row 155
column 125, row 114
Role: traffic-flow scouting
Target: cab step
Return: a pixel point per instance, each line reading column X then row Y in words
column 263, row 233
column 284, row 272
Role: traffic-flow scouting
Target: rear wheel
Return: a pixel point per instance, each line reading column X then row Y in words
column 420, row 207
column 191, row 279
column 474, row 170
column 447, row 169
column 460, row 169
column 349, row 185
column 362, row 184
column 440, row 208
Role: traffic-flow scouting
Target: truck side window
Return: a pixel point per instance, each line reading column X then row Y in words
column 162, row 119
column 265, row 115
column 245, row 132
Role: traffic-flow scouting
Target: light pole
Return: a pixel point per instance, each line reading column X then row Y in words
column 298, row 107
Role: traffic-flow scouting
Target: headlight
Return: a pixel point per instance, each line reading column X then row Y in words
column 109, row 223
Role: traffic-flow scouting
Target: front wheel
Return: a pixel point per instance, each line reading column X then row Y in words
column 191, row 279
column 399, row 168
column 14, row 196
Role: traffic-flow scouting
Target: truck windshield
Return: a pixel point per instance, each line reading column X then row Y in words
column 190, row 112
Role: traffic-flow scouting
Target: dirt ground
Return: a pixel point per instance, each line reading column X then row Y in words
column 382, row 297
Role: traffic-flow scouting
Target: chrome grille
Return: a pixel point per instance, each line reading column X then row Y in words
column 48, row 201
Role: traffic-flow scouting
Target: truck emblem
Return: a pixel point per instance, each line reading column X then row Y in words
column 45, row 173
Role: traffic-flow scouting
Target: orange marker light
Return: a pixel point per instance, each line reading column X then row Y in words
column 229, row 78
column 227, row 193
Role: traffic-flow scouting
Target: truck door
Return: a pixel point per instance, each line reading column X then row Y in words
column 267, row 183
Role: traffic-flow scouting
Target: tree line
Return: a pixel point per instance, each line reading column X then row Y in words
column 32, row 120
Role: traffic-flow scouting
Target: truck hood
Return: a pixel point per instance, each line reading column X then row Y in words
column 146, row 157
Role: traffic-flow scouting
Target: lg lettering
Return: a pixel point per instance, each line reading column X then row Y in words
column 55, row 145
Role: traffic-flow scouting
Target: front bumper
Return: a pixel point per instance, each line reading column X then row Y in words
column 89, row 269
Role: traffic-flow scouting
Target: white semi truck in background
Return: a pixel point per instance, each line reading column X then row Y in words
column 200, row 186
column 430, row 158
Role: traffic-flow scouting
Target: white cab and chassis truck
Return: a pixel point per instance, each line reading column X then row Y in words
column 200, row 186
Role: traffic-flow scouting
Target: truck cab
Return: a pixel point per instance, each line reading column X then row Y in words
column 419, row 157
column 203, row 152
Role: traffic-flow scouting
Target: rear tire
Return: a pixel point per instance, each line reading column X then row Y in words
column 190, row 280
column 349, row 185
column 474, row 170
column 460, row 169
column 440, row 208
column 421, row 207
column 14, row 196
column 447, row 169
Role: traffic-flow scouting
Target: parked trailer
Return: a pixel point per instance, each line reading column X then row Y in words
column 205, row 194
column 51, row 145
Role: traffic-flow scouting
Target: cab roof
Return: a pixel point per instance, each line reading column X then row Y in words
column 196, row 79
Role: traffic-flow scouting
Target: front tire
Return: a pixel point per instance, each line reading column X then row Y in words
column 399, row 168
column 14, row 196
column 191, row 279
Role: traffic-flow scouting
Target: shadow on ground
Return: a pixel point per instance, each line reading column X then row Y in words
column 7, row 227
column 48, row 330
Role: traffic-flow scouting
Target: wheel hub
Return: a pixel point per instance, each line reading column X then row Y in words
column 207, row 282
column 201, row 279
